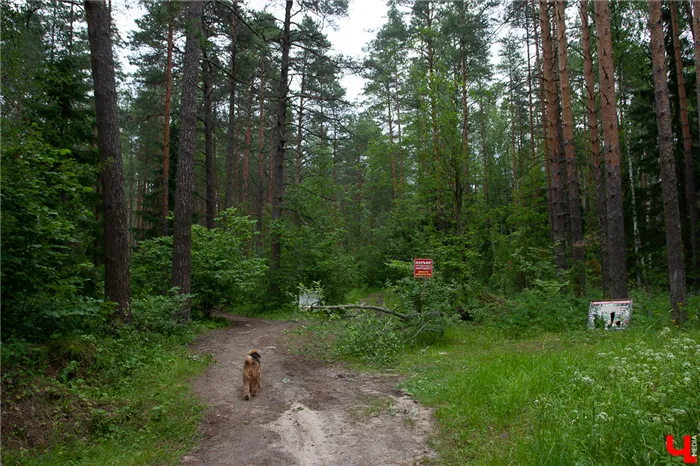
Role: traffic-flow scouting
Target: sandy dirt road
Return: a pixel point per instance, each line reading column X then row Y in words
column 307, row 413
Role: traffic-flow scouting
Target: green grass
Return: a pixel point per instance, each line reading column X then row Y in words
column 131, row 405
column 589, row 397
column 162, row 426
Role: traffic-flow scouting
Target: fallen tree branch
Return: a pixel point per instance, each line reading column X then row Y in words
column 361, row 306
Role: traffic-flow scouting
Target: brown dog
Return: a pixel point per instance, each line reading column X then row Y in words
column 251, row 374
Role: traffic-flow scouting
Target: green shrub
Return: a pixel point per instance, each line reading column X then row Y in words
column 46, row 219
column 223, row 271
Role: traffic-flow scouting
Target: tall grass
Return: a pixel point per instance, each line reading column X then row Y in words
column 575, row 398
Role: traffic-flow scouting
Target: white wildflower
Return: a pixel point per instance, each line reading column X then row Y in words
column 587, row 380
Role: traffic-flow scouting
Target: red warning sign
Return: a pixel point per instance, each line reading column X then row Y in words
column 423, row 268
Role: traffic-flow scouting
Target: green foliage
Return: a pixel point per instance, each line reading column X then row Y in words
column 45, row 219
column 157, row 314
column 105, row 398
column 312, row 255
column 223, row 273
column 374, row 337
column 591, row 397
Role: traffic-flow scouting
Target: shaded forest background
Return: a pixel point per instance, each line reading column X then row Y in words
column 536, row 173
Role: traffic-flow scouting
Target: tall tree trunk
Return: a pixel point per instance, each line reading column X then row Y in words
column 594, row 141
column 275, row 240
column 246, row 150
column 548, row 64
column 398, row 126
column 184, row 202
column 465, row 107
column 484, row 154
column 236, row 162
column 300, row 123
column 571, row 168
column 209, row 145
column 261, row 145
column 394, row 181
column 139, row 196
column 690, row 188
column 543, row 112
column 676, row 270
column 116, row 237
column 231, row 154
column 166, row 125
column 615, row 241
column 132, row 174
column 513, row 154
column 529, row 93
column 635, row 222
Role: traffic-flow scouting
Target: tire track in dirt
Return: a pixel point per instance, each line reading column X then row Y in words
column 307, row 413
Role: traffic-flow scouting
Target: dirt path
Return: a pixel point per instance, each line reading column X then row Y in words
column 307, row 413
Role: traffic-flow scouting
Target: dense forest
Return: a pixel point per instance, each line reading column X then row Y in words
column 538, row 164
column 542, row 153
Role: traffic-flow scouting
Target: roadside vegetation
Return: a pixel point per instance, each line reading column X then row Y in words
column 525, row 382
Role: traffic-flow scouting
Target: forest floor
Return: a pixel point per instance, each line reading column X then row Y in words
column 307, row 412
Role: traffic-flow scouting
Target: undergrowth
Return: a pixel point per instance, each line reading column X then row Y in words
column 526, row 382
column 579, row 398
column 116, row 397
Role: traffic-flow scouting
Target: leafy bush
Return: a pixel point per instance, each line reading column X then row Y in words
column 427, row 310
column 223, row 272
column 156, row 314
column 310, row 255
column 46, row 216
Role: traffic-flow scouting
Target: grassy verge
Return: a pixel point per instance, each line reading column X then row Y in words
column 572, row 398
column 122, row 398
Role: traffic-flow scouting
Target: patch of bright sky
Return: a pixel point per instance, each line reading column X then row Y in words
column 349, row 37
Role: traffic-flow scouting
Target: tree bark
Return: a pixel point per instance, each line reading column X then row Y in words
column 391, row 142
column 300, row 122
column 571, row 168
column 275, row 240
column 246, row 150
column 594, row 141
column 184, row 202
column 483, row 151
column 166, row 125
column 543, row 111
column 398, row 126
column 209, row 146
column 231, row 177
column 261, row 145
column 690, row 187
column 548, row 64
column 465, row 107
column 676, row 270
column 529, row 92
column 116, row 237
column 615, row 241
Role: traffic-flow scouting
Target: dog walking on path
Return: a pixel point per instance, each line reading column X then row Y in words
column 251, row 374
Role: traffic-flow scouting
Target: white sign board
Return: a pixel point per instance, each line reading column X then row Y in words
column 614, row 314
column 308, row 299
